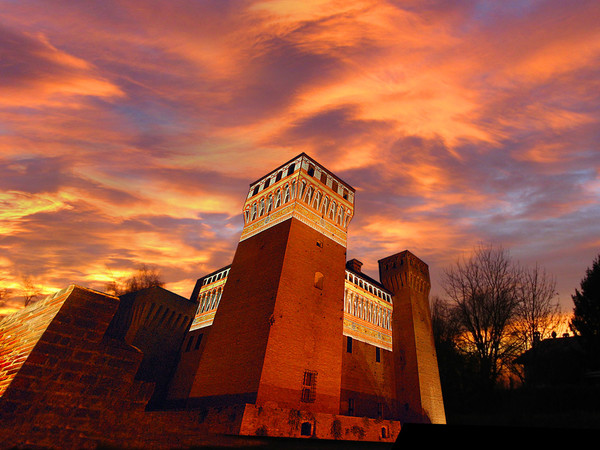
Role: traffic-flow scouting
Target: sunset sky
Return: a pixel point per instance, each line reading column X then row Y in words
column 130, row 130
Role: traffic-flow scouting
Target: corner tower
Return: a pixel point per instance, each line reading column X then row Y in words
column 276, row 335
column 418, row 388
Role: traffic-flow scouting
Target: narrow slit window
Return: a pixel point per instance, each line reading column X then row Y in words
column 198, row 341
column 189, row 344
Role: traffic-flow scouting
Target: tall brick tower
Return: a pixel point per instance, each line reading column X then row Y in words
column 276, row 336
column 418, row 389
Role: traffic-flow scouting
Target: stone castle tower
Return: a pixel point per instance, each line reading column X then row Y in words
column 277, row 330
column 417, row 381
column 291, row 325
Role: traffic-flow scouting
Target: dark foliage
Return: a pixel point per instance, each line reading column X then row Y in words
column 586, row 314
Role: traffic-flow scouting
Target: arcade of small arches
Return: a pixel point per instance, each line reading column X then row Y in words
column 209, row 299
column 327, row 207
column 307, row 193
column 269, row 202
column 366, row 309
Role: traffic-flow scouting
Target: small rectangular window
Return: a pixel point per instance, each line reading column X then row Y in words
column 334, row 186
column 350, row 406
column 380, row 410
column 309, row 384
column 348, row 344
column 377, row 354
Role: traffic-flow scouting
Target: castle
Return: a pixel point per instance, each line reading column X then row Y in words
column 289, row 340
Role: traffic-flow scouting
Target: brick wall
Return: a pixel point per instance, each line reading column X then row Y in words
column 366, row 382
column 286, row 422
column 306, row 328
column 72, row 377
column 232, row 360
column 155, row 321
column 21, row 331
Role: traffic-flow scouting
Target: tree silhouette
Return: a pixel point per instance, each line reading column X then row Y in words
column 484, row 292
column 144, row 277
column 537, row 312
column 31, row 292
column 586, row 314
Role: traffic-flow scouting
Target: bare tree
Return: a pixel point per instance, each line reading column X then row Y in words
column 444, row 325
column 484, row 291
column 31, row 292
column 537, row 314
column 144, row 277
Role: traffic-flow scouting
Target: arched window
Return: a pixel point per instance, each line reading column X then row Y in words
column 270, row 203
column 319, row 277
column 301, row 189
column 317, row 200
column 278, row 198
column 206, row 301
column 291, row 169
column 324, row 206
column 332, row 210
column 293, row 191
column 261, row 207
column 246, row 215
column 340, row 215
column 219, row 297
column 253, row 215
column 308, row 196
column 286, row 194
